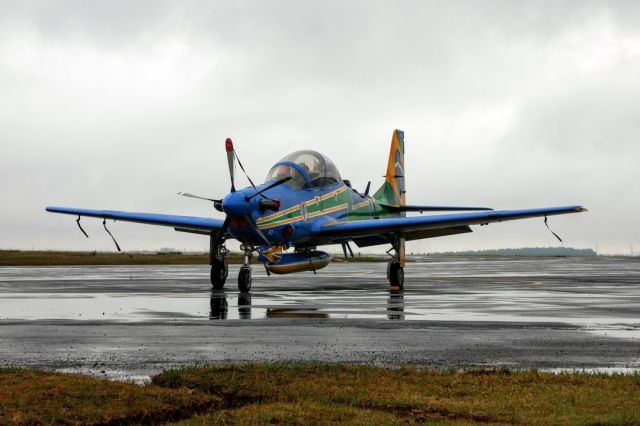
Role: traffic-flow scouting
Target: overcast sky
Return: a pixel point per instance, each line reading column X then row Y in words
column 121, row 104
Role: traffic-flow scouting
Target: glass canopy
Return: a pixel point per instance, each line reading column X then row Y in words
column 306, row 169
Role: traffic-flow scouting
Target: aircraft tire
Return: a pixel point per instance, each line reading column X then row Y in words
column 219, row 272
column 244, row 279
column 396, row 275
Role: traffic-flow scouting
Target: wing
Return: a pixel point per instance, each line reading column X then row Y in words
column 337, row 231
column 421, row 209
column 195, row 224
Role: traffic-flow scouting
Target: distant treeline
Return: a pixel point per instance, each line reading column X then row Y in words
column 525, row 251
column 165, row 257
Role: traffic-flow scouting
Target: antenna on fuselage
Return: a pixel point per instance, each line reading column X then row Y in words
column 366, row 190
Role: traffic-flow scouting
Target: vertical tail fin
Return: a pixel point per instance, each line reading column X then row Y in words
column 392, row 192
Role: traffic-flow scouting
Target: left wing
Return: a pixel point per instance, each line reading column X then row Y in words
column 195, row 224
column 372, row 227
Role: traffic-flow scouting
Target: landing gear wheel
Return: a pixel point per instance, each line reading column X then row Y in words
column 219, row 272
column 244, row 279
column 395, row 273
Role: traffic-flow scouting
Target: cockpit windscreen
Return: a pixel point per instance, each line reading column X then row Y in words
column 313, row 170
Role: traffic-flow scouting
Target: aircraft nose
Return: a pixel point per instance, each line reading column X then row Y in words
column 235, row 205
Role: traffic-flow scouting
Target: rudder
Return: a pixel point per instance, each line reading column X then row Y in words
column 392, row 192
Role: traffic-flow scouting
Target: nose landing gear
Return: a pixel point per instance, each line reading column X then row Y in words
column 244, row 276
column 220, row 268
column 244, row 279
column 220, row 271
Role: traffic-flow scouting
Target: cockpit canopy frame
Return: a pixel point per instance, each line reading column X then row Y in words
column 307, row 169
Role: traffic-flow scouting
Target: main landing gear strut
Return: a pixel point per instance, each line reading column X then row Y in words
column 218, row 261
column 395, row 266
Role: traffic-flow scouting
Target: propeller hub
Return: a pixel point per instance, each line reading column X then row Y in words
column 235, row 205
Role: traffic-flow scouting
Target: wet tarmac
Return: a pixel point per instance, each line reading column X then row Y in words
column 132, row 321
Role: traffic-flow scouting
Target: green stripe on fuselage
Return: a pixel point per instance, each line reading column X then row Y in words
column 360, row 210
column 314, row 207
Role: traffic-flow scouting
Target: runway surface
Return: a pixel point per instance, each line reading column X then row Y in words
column 132, row 321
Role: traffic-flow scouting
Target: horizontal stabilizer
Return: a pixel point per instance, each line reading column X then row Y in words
column 433, row 208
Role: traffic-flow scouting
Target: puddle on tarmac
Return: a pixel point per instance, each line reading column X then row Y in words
column 590, row 293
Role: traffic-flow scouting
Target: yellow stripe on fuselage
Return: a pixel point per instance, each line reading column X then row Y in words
column 278, row 214
column 359, row 205
column 280, row 222
column 298, row 218
column 328, row 195
column 295, row 208
column 329, row 210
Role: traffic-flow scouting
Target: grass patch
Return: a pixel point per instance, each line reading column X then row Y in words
column 369, row 395
column 322, row 394
column 35, row 397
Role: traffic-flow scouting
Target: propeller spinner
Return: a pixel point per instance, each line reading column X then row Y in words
column 237, row 205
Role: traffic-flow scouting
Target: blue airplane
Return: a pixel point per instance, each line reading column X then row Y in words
column 304, row 203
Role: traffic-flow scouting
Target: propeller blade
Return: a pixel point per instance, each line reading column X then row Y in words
column 257, row 230
column 186, row 194
column 230, row 155
column 273, row 185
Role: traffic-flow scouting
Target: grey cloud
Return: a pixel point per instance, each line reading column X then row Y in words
column 121, row 104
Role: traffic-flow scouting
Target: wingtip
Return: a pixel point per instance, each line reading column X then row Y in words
column 581, row 209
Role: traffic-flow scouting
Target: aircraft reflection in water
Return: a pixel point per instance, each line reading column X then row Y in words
column 303, row 204
column 219, row 308
column 395, row 305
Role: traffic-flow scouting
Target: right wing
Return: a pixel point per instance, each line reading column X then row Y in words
column 196, row 224
column 407, row 208
column 340, row 231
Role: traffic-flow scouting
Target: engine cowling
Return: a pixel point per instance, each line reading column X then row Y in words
column 288, row 263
